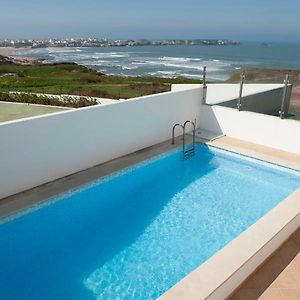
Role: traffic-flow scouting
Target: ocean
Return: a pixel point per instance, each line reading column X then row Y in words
column 173, row 61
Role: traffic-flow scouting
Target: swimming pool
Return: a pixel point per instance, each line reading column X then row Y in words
column 134, row 234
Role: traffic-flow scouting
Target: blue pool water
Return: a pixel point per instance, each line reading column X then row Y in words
column 135, row 234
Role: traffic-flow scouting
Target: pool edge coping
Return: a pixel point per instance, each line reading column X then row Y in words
column 226, row 270
column 256, row 154
column 17, row 202
column 48, row 200
column 247, row 252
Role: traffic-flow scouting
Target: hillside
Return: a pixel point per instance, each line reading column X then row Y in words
column 257, row 75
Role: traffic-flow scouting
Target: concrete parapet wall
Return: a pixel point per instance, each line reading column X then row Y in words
column 41, row 149
column 257, row 128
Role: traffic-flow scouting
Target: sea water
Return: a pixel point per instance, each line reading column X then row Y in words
column 172, row 61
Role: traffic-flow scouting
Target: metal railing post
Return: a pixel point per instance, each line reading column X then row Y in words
column 204, row 76
column 194, row 132
column 239, row 104
column 286, row 82
column 204, row 85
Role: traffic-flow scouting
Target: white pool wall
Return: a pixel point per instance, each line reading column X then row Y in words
column 260, row 98
column 256, row 128
column 41, row 149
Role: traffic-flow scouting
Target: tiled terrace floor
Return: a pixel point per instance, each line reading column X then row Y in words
column 278, row 278
column 276, row 156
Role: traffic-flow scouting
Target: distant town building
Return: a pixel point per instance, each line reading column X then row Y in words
column 95, row 42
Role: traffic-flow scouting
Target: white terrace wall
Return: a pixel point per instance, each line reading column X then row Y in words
column 38, row 150
column 261, row 98
column 253, row 127
column 266, row 102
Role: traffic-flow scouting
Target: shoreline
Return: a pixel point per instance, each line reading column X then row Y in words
column 255, row 74
column 9, row 54
column 9, row 50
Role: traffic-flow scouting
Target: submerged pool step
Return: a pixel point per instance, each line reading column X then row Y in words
column 188, row 153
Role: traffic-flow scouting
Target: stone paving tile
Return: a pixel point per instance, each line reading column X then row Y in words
column 271, row 295
column 288, row 159
column 290, row 294
column 278, row 278
column 246, row 294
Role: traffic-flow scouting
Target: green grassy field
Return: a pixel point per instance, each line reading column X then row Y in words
column 295, row 117
column 78, row 80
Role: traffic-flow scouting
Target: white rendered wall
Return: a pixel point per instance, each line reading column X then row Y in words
column 184, row 87
column 41, row 149
column 261, row 98
column 264, row 102
column 253, row 127
column 222, row 92
column 217, row 93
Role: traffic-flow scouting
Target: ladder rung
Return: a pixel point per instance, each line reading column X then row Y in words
column 189, row 153
column 189, row 150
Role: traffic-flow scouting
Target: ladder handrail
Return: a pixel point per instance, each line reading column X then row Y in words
column 173, row 131
column 189, row 151
column 194, row 132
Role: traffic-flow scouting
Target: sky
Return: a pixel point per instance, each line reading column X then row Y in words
column 253, row 20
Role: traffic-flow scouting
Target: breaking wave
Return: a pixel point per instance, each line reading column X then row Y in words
column 136, row 63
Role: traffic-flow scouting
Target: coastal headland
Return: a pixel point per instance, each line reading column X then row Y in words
column 27, row 74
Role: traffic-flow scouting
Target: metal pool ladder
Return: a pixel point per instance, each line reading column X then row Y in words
column 187, row 152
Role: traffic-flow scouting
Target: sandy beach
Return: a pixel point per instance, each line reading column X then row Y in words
column 10, row 52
